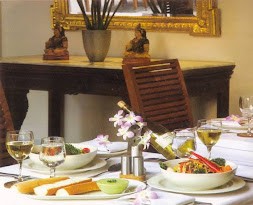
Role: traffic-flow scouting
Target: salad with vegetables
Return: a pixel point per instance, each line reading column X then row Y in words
column 72, row 150
column 200, row 165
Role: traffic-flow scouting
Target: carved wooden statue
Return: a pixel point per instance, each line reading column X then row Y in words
column 56, row 48
column 138, row 48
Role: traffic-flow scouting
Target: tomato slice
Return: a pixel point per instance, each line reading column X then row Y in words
column 85, row 150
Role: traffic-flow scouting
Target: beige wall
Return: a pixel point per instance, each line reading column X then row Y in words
column 24, row 33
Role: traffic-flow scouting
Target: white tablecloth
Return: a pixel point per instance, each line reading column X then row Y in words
column 241, row 197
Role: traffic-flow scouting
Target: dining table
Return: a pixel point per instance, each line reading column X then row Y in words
column 230, row 146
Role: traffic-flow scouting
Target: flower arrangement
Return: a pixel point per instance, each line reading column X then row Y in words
column 100, row 17
column 130, row 126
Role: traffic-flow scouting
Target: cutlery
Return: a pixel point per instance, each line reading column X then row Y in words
column 15, row 176
column 112, row 168
column 201, row 203
column 153, row 159
column 246, row 178
column 117, row 167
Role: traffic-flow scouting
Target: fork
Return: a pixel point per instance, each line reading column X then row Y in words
column 15, row 176
column 201, row 203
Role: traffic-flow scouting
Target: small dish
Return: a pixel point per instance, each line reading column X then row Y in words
column 113, row 185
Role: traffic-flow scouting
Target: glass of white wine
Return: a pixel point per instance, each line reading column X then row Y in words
column 52, row 152
column 184, row 142
column 246, row 108
column 19, row 144
column 209, row 132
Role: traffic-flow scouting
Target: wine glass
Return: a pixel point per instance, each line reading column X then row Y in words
column 19, row 144
column 209, row 132
column 246, row 108
column 52, row 152
column 184, row 142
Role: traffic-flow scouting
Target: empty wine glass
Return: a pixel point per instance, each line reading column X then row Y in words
column 52, row 152
column 246, row 108
column 19, row 144
column 209, row 132
column 184, row 142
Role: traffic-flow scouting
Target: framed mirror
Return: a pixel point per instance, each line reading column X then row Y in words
column 203, row 20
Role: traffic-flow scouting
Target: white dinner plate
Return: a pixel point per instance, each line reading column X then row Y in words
column 110, row 154
column 159, row 182
column 95, row 164
column 116, row 148
column 98, row 195
column 232, row 125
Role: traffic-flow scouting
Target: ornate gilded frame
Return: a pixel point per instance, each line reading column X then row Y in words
column 205, row 23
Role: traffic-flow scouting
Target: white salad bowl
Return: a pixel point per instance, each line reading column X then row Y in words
column 196, row 182
column 71, row 161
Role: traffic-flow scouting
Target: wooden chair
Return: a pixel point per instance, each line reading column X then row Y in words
column 157, row 91
column 5, row 124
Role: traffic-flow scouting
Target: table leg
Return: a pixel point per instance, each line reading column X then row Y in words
column 223, row 102
column 55, row 113
column 18, row 105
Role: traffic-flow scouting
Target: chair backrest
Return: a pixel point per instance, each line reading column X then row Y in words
column 5, row 125
column 157, row 91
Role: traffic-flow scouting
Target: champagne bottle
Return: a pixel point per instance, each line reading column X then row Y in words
column 161, row 138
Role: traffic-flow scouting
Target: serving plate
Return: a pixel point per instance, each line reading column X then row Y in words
column 116, row 148
column 233, row 125
column 159, row 182
column 110, row 154
column 133, row 187
column 95, row 164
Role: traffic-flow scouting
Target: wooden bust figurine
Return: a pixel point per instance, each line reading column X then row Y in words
column 138, row 48
column 56, row 48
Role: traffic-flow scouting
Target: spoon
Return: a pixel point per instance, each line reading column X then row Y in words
column 11, row 183
column 112, row 168
column 117, row 167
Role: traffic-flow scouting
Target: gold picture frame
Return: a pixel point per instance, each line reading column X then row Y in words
column 205, row 23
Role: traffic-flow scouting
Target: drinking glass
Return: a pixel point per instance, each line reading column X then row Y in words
column 246, row 108
column 19, row 144
column 209, row 132
column 184, row 142
column 52, row 152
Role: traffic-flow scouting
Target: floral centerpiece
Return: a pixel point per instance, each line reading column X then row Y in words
column 131, row 127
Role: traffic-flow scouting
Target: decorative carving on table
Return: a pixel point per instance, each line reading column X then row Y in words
column 138, row 48
column 56, row 48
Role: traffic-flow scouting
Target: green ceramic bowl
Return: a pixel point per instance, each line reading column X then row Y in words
column 112, row 185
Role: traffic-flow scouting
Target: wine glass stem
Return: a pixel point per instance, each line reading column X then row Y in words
column 20, row 179
column 249, row 127
column 52, row 172
column 209, row 148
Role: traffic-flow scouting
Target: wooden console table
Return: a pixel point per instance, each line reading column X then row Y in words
column 78, row 75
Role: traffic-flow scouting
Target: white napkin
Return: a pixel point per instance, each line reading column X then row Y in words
column 166, row 198
column 110, row 147
column 230, row 123
column 244, row 171
column 163, row 198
